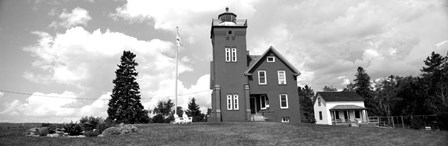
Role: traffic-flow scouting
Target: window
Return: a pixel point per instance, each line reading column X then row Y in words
column 232, row 102
column 281, row 77
column 357, row 115
column 318, row 101
column 337, row 114
column 320, row 115
column 235, row 102
column 262, row 77
column 264, row 102
column 230, row 54
column 229, row 102
column 233, row 54
column 227, row 54
column 271, row 59
column 283, row 101
column 285, row 119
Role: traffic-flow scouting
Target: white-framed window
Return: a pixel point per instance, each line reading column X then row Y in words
column 264, row 102
column 285, row 119
column 227, row 54
column 234, row 58
column 283, row 101
column 229, row 102
column 235, row 102
column 270, row 59
column 262, row 77
column 281, row 77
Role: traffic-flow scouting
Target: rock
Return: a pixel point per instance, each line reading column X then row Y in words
column 37, row 131
column 122, row 129
column 112, row 131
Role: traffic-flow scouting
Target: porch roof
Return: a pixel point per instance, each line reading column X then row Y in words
column 347, row 107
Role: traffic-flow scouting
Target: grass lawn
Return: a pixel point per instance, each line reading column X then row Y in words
column 258, row 133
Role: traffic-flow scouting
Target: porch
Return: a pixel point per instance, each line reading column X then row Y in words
column 348, row 114
column 259, row 105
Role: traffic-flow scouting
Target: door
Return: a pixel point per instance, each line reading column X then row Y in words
column 252, row 105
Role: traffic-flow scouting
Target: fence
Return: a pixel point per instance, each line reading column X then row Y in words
column 428, row 122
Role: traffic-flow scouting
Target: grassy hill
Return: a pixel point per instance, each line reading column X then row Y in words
column 259, row 133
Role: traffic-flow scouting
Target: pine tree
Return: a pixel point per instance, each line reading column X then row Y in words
column 435, row 79
column 306, row 104
column 194, row 111
column 363, row 88
column 125, row 106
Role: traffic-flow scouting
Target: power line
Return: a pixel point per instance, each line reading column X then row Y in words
column 71, row 97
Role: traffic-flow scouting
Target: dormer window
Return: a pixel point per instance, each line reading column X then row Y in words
column 271, row 59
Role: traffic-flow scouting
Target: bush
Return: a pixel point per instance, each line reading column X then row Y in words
column 91, row 133
column 442, row 121
column 158, row 119
column 73, row 128
column 417, row 123
column 90, row 123
column 43, row 131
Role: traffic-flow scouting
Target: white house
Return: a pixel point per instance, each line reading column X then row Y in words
column 333, row 108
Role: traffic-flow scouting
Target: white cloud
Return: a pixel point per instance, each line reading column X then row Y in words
column 87, row 61
column 1, row 94
column 77, row 17
column 168, row 14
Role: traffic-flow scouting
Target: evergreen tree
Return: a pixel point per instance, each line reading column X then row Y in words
column 363, row 88
column 125, row 106
column 350, row 88
column 306, row 104
column 194, row 111
column 435, row 79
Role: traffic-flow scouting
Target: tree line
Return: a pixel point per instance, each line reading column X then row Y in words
column 424, row 94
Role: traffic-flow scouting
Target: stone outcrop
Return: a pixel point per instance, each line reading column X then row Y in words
column 122, row 129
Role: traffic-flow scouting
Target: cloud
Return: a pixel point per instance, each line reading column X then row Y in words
column 1, row 94
column 41, row 107
column 77, row 17
column 85, row 62
column 328, row 39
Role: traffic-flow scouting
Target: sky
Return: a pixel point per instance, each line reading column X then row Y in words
column 58, row 57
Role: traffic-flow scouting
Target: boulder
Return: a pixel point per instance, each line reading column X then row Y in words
column 112, row 131
column 37, row 131
column 122, row 129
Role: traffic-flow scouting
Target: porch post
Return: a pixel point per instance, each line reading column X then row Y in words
column 218, row 103
column 247, row 100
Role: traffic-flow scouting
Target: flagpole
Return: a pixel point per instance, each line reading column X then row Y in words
column 175, row 88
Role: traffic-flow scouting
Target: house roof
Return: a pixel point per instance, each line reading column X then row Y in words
column 347, row 107
column 279, row 56
column 340, row 96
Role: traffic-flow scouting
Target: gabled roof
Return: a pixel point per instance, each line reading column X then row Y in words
column 279, row 56
column 340, row 96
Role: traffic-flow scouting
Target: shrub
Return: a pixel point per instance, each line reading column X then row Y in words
column 73, row 128
column 45, row 125
column 417, row 123
column 90, row 123
column 158, row 119
column 442, row 121
column 42, row 131
column 91, row 133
